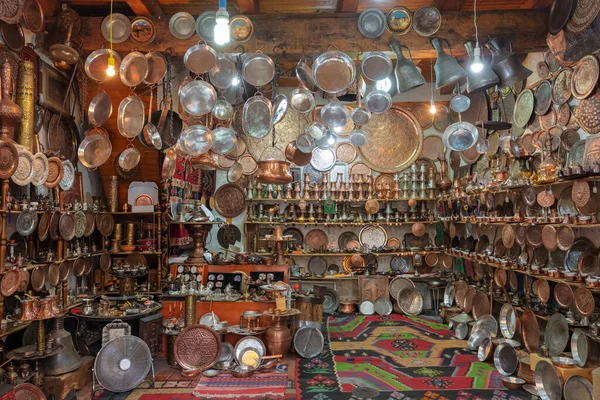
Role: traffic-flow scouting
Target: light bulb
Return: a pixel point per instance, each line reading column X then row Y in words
column 385, row 85
column 235, row 81
column 110, row 68
column 222, row 27
column 476, row 65
column 432, row 108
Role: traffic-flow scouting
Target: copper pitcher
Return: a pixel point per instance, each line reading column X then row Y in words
column 46, row 308
column 29, row 309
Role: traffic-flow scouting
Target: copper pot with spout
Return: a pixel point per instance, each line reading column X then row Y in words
column 30, row 309
column 10, row 113
column 46, row 308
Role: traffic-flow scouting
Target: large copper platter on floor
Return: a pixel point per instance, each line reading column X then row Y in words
column 197, row 347
column 395, row 141
column 530, row 331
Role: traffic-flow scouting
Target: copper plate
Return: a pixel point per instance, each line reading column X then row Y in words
column 107, row 224
column 433, row 148
column 55, row 172
column 90, row 223
column 230, row 200
column 442, row 119
column 360, row 168
column 197, row 347
column 523, row 110
column 460, row 292
column 580, row 193
column 385, row 180
column 79, row 266
column 588, row 114
column 395, row 141
column 53, row 274
column 589, row 208
column 54, row 221
column 545, row 198
column 588, row 262
column 563, row 114
column 248, row 163
column 530, row 331
column 561, row 90
column 27, row 391
column 500, row 277
column 584, row 301
column 520, row 235
column 292, row 154
column 583, row 15
column 24, row 280
column 345, row 152
column 543, row 97
column 64, row 269
column 33, row 15
column 533, row 235
column 529, row 196
column 136, row 258
column 373, row 236
column 44, row 226
column 9, row 157
column 548, row 120
column 316, row 239
column 424, row 117
column 105, row 262
column 549, row 237
column 563, row 294
column 543, row 290
column 66, row 226
column 543, row 70
column 513, row 282
column 481, row 305
column 468, row 301
column 508, row 236
column 38, row 279
column 10, row 282
column 585, row 77
column 568, row 138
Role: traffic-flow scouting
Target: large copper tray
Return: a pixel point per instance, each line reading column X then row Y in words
column 395, row 141
column 197, row 347
column 530, row 330
column 230, row 200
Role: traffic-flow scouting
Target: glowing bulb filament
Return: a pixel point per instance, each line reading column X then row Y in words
column 110, row 68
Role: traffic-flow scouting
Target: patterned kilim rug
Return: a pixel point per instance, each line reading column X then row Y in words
column 396, row 358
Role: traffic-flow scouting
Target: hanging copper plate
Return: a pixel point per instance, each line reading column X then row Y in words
column 44, row 226
column 585, row 77
column 316, row 239
column 433, row 148
column 345, row 152
column 197, row 347
column 588, row 114
column 9, row 157
column 248, row 163
column 33, row 15
column 447, row 261
column 230, row 200
column 520, row 235
column 38, row 279
column 564, row 237
column 53, row 274
column 460, row 292
column 10, row 282
column 24, row 280
column 530, row 331
column 468, row 301
column 568, row 138
column 499, row 249
column 524, row 106
column 79, row 266
column 561, row 90
column 88, row 266
column 543, row 97
column 513, row 282
column 527, row 143
column 470, row 156
column 589, row 208
column 543, row 290
column 481, row 304
column 543, row 70
column 508, row 236
column 500, row 277
column 563, row 114
column 423, row 115
column 64, row 269
column 395, row 141
column 549, row 237
column 360, row 168
column 563, row 294
column 55, row 172
column 136, row 258
column 588, row 262
column 107, row 224
column 530, row 196
column 584, row 301
column 54, row 221
column 545, row 198
column 385, row 180
column 580, row 193
column 66, row 226
column 548, row 120
column 27, row 391
column 534, row 235
column 583, row 15
column 90, row 223
column 105, row 262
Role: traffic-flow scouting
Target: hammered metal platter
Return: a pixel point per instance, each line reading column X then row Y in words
column 197, row 347
column 373, row 236
column 556, row 334
column 230, row 200
column 395, row 141
column 585, row 77
column 561, row 89
column 588, row 114
column 543, row 97
column 524, row 107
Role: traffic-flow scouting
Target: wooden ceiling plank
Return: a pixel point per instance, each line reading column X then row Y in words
column 248, row 6
column 347, row 6
column 449, row 5
column 300, row 34
column 138, row 7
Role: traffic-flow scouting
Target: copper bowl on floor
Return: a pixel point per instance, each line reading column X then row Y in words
column 513, row 383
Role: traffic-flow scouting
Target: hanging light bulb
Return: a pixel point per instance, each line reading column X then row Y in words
column 222, row 24
column 110, row 67
column 432, row 108
column 476, row 65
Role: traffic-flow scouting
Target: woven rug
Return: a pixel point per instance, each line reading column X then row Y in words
column 266, row 386
column 398, row 357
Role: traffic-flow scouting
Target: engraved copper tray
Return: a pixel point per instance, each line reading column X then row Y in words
column 433, row 148
column 105, row 262
column 563, row 114
column 508, row 236
column 395, row 141
column 570, row 136
column 64, row 269
column 292, row 124
column 561, row 90
column 421, row 112
column 563, row 294
column 53, row 274
column 588, row 114
column 530, row 330
column 79, row 266
column 66, row 226
column 316, row 239
column 10, row 282
column 230, row 200
column 543, row 97
column 106, row 225
column 9, row 157
column 373, row 236
column 585, row 77
column 197, row 347
column 543, row 290
column 575, row 251
column 584, row 301
column 345, row 152
column 44, row 226
column 533, row 235
column 460, row 293
column 549, row 237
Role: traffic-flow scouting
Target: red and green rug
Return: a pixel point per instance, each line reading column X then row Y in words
column 399, row 357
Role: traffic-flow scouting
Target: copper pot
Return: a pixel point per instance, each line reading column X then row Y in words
column 29, row 309
column 279, row 337
column 274, row 172
column 46, row 308
column 346, row 307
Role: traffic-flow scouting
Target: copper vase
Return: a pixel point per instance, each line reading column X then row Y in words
column 10, row 112
column 113, row 194
column 26, row 100
column 279, row 337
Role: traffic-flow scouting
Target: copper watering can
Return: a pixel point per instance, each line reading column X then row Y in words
column 408, row 76
column 506, row 64
column 30, row 309
column 482, row 80
column 447, row 69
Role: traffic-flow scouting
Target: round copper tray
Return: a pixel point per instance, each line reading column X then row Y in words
column 106, row 225
column 24, row 280
column 136, row 258
column 468, row 301
column 345, row 152
column 561, row 90
column 79, row 266
column 395, row 141
column 587, row 114
column 588, row 262
column 64, row 269
column 54, row 274
column 548, row 120
column 508, row 236
column 524, row 106
column 481, row 304
column 433, row 148
column 316, row 239
column 549, row 237
column 422, row 114
column 197, row 347
column 10, row 282
column 545, row 198
column 533, row 235
column 360, row 168
column 580, row 193
column 513, row 282
column 460, row 292
column 563, row 294
column 568, row 138
column 564, row 237
column 9, row 157
column 563, row 114
column 54, row 221
column 500, row 277
column 520, row 235
column 33, row 15
column 543, row 290
column 530, row 331
column 105, row 262
column 66, row 226
column 38, row 279
column 585, row 77
column 230, row 200
column 27, row 391
column 584, row 301
column 44, row 226
column 55, row 172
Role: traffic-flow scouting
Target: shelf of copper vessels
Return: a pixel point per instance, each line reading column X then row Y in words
column 391, row 253
column 519, row 271
column 571, row 327
column 194, row 223
column 355, row 277
column 341, row 224
column 136, row 252
column 525, row 223
column 349, row 201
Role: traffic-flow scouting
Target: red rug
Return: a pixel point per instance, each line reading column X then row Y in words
column 266, row 386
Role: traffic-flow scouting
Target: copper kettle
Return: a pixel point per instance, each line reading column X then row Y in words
column 10, row 113
column 30, row 309
column 506, row 64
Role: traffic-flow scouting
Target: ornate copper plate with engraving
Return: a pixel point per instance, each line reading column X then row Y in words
column 33, row 14
column 54, row 274
column 583, row 15
column 106, row 225
column 563, row 114
column 561, row 90
column 588, row 114
column 564, row 237
column 423, row 115
column 585, row 77
column 372, row 287
column 79, row 266
column 543, row 97
column 316, row 239
column 395, row 141
column 548, row 120
column 543, row 70
column 569, row 137
column 530, row 331
column 345, row 152
column 588, row 262
column 11, row 11
column 533, row 235
column 384, row 180
column 508, row 236
column 24, row 280
column 55, row 172
column 549, row 237
column 9, row 157
column 529, row 196
column 105, row 262
column 360, row 168
column 373, row 236
column 580, row 192
column 460, row 292
column 520, row 235
column 584, row 301
column 563, row 294
column 38, row 279
column 248, row 163
column 523, row 110
column 545, row 198
column 543, row 290
column 433, row 148
column 10, row 282
column 230, row 200
column 197, row 347
column 66, row 226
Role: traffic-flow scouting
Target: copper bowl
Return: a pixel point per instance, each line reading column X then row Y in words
column 274, row 172
column 513, row 383
column 346, row 308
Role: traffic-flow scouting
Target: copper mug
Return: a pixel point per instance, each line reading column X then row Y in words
column 55, row 304
column 46, row 308
column 29, row 309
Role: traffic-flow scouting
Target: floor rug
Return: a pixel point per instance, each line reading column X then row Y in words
column 396, row 357
column 271, row 385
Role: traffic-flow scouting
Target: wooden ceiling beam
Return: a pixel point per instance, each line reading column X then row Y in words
column 138, row 7
column 307, row 34
column 347, row 6
column 248, row 6
column 449, row 5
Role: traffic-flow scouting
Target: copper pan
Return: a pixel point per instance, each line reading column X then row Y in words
column 460, row 293
column 481, row 304
column 530, row 331
column 563, row 294
column 469, row 297
column 292, row 154
column 543, row 290
column 274, row 172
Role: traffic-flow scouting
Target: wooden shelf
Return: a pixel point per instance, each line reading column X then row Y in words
column 525, row 223
column 122, row 253
column 340, row 223
column 404, row 253
column 345, row 200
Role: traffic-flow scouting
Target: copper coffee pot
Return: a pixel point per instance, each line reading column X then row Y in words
column 46, row 308
column 30, row 309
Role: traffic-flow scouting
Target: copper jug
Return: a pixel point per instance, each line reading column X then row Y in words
column 482, row 80
column 407, row 74
column 46, row 308
column 278, row 336
column 10, row 113
column 29, row 309
column 506, row 64
column 447, row 69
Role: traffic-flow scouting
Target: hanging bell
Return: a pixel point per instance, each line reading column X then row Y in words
column 506, row 64
column 482, row 80
column 408, row 75
column 447, row 69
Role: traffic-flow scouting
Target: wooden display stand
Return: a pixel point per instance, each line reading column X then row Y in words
column 566, row 373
